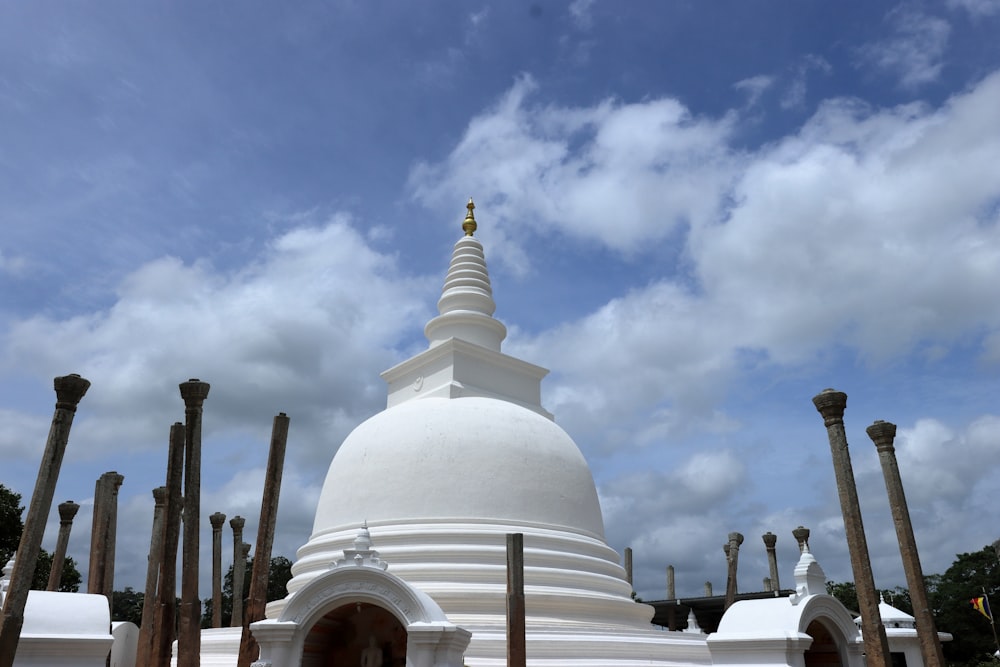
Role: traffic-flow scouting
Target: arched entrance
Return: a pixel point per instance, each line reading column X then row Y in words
column 341, row 636
column 823, row 652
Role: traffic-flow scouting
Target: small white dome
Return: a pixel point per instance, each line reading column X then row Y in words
column 477, row 458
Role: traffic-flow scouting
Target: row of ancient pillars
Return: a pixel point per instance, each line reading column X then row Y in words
column 831, row 405
column 183, row 467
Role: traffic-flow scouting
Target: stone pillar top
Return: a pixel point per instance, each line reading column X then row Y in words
column 725, row 549
column 68, row 510
column 194, row 392
column 245, row 549
column 770, row 539
column 831, row 405
column 801, row 535
column 217, row 519
column 160, row 496
column 69, row 390
column 736, row 538
column 882, row 434
column 237, row 522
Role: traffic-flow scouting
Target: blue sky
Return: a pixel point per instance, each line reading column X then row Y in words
column 697, row 215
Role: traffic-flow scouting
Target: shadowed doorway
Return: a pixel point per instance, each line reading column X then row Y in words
column 341, row 637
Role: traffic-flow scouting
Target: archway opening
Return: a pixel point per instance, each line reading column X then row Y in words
column 352, row 632
column 824, row 651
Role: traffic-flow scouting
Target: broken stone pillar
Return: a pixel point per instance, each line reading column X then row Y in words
column 767, row 584
column 217, row 520
column 516, row 644
column 239, row 570
column 193, row 392
column 628, row 567
column 67, row 511
column 671, row 595
column 249, row 650
column 164, row 618
column 101, row 570
column 801, row 535
column 770, row 540
column 708, row 589
column 152, row 571
column 883, row 435
column 831, row 405
column 69, row 390
column 732, row 550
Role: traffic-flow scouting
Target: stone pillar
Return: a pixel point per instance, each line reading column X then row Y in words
column 516, row 644
column 111, row 536
column 194, row 392
column 770, row 540
column 671, row 595
column 831, row 405
column 101, row 569
column 67, row 511
column 69, row 390
column 152, row 571
column 249, row 650
column 628, row 567
column 732, row 550
column 708, row 589
column 217, row 520
column 883, row 434
column 239, row 569
column 164, row 617
column 801, row 535
column 767, row 585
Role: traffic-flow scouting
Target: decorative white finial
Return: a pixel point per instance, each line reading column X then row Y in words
column 362, row 555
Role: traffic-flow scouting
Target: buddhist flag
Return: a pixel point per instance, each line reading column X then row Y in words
column 982, row 605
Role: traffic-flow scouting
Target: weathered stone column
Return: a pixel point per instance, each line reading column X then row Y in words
column 111, row 535
column 217, row 520
column 767, row 585
column 708, row 589
column 671, row 595
column 194, row 392
column 770, row 540
column 105, row 495
column 239, row 570
column 67, row 511
column 152, row 571
column 164, row 618
column 883, row 435
column 801, row 535
column 732, row 558
column 516, row 644
column 628, row 567
column 831, row 405
column 249, row 650
column 69, row 390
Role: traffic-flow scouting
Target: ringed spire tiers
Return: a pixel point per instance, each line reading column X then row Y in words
column 466, row 305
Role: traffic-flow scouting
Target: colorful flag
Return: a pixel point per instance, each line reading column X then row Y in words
column 982, row 605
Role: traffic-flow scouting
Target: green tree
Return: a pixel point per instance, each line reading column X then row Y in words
column 847, row 594
column 970, row 576
column 279, row 573
column 11, row 527
column 126, row 605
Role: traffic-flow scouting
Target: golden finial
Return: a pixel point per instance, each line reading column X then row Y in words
column 469, row 226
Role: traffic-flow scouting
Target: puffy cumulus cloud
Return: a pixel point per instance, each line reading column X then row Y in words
column 621, row 174
column 303, row 329
column 915, row 51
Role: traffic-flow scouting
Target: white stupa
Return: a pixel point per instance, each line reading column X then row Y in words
column 463, row 455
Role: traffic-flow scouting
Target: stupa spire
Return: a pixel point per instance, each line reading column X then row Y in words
column 466, row 305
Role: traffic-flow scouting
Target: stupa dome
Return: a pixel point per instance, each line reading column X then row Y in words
column 466, row 458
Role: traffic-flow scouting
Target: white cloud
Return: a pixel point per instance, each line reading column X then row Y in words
column 580, row 11
column 754, row 87
column 596, row 173
column 915, row 51
column 977, row 8
column 794, row 95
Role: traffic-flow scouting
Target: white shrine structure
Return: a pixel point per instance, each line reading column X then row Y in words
column 463, row 455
